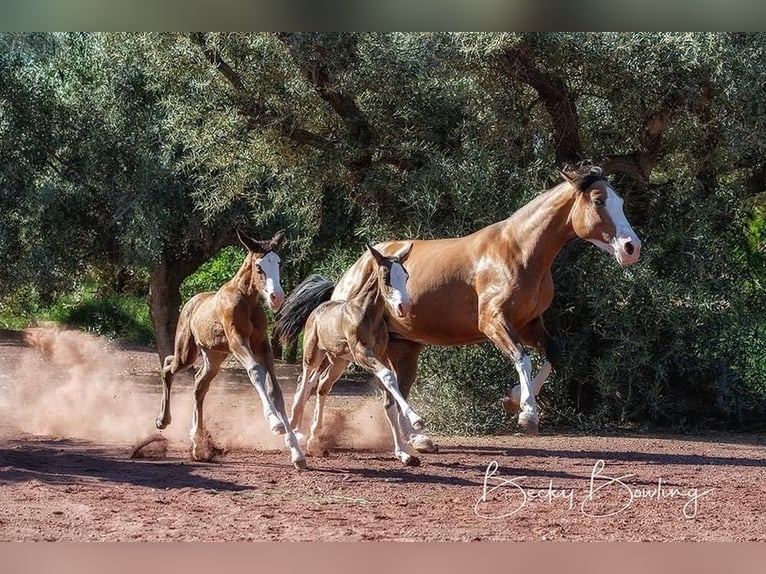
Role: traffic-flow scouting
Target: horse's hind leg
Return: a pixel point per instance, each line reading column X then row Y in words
column 182, row 360
column 327, row 379
column 201, row 447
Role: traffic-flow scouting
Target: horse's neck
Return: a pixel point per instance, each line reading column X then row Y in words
column 244, row 280
column 542, row 227
column 371, row 299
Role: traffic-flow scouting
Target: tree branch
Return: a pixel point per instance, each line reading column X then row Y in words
column 216, row 60
column 519, row 64
column 256, row 112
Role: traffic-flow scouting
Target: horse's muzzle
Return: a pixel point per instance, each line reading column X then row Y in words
column 275, row 299
column 627, row 250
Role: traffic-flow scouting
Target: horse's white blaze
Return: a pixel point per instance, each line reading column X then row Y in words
column 398, row 297
column 272, row 289
column 625, row 245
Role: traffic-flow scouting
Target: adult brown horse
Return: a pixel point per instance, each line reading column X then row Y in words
column 496, row 283
column 232, row 320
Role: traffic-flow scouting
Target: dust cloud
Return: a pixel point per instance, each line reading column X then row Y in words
column 68, row 384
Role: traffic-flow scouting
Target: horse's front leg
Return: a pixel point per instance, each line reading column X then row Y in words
column 274, row 394
column 535, row 335
column 271, row 398
column 494, row 325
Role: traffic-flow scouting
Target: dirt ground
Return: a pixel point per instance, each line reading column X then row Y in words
column 72, row 407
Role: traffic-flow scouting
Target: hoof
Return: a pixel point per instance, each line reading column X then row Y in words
column 411, row 461
column 278, row 429
column 316, row 448
column 422, row 443
column 161, row 423
column 528, row 425
column 300, row 464
column 201, row 456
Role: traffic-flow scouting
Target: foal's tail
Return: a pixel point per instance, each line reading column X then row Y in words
column 312, row 292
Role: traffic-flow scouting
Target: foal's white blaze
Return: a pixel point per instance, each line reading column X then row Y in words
column 398, row 297
column 272, row 290
column 625, row 245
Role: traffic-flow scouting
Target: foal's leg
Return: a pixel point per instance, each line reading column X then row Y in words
column 256, row 372
column 274, row 393
column 327, row 379
column 211, row 363
column 184, row 357
column 395, row 422
column 306, row 383
column 366, row 359
column 536, row 336
column 314, row 362
column 404, row 358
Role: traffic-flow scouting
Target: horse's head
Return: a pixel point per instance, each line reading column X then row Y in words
column 266, row 263
column 598, row 217
column 392, row 278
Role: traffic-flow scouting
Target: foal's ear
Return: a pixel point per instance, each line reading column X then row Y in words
column 379, row 257
column 250, row 243
column 404, row 252
column 276, row 241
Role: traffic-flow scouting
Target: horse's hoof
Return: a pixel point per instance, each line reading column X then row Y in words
column 316, row 448
column 278, row 429
column 422, row 443
column 528, row 425
column 161, row 424
column 511, row 405
column 411, row 461
column 199, row 455
column 300, row 464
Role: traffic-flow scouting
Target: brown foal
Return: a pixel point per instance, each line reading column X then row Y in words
column 338, row 332
column 232, row 320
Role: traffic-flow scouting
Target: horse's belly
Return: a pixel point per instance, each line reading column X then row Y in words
column 450, row 327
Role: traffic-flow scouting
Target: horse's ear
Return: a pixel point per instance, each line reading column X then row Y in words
column 249, row 243
column 572, row 177
column 279, row 237
column 379, row 257
column 404, row 252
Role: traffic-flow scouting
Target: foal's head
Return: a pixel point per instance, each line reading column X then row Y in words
column 392, row 278
column 265, row 263
column 598, row 217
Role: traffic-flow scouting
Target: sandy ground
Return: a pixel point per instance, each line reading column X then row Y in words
column 72, row 407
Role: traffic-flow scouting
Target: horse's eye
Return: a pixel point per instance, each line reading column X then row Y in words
column 598, row 201
column 258, row 268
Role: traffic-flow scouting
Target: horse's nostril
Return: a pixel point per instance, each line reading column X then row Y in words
column 629, row 248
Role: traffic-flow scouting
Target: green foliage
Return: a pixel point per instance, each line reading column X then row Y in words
column 212, row 274
column 119, row 317
column 460, row 389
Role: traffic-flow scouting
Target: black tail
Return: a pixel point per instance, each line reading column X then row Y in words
column 312, row 292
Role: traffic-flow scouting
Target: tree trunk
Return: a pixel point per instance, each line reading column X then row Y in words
column 165, row 302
